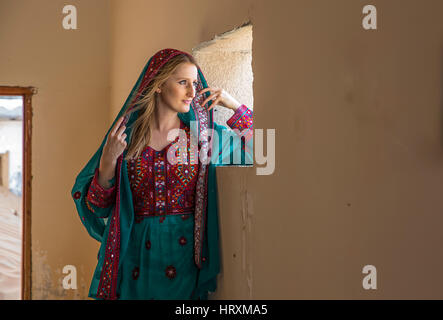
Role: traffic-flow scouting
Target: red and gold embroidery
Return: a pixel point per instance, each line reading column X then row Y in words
column 107, row 288
column 242, row 120
column 99, row 196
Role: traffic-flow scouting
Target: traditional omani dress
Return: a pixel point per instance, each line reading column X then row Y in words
column 159, row 260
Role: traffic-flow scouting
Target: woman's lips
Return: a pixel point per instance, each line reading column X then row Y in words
column 187, row 101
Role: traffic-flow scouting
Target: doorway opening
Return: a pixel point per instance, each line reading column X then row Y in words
column 15, row 192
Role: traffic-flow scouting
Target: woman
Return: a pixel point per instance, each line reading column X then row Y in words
column 157, row 219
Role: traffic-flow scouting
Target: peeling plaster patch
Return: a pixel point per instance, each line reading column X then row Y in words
column 48, row 284
column 42, row 284
column 83, row 285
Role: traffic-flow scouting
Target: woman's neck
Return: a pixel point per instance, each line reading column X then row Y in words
column 165, row 120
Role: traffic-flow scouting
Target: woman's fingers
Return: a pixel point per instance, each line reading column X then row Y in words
column 116, row 126
column 212, row 96
column 211, row 91
column 205, row 89
column 120, row 131
column 115, row 142
column 214, row 103
column 208, row 98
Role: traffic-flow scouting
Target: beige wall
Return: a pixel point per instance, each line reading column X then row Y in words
column 358, row 125
column 359, row 170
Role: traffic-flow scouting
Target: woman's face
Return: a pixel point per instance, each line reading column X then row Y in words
column 179, row 90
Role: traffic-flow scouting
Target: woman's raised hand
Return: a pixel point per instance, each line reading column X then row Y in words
column 115, row 143
column 221, row 97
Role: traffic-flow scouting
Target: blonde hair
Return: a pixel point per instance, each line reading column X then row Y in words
column 141, row 133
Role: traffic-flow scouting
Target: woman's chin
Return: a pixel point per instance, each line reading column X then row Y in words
column 185, row 108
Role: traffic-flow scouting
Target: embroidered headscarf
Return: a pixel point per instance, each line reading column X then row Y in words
column 114, row 234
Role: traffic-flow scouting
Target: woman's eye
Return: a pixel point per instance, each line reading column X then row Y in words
column 195, row 84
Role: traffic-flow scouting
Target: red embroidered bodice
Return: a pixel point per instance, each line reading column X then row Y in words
column 159, row 187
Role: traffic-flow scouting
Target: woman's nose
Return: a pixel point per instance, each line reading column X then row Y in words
column 191, row 91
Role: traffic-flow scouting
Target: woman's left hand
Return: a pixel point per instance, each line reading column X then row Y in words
column 221, row 97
